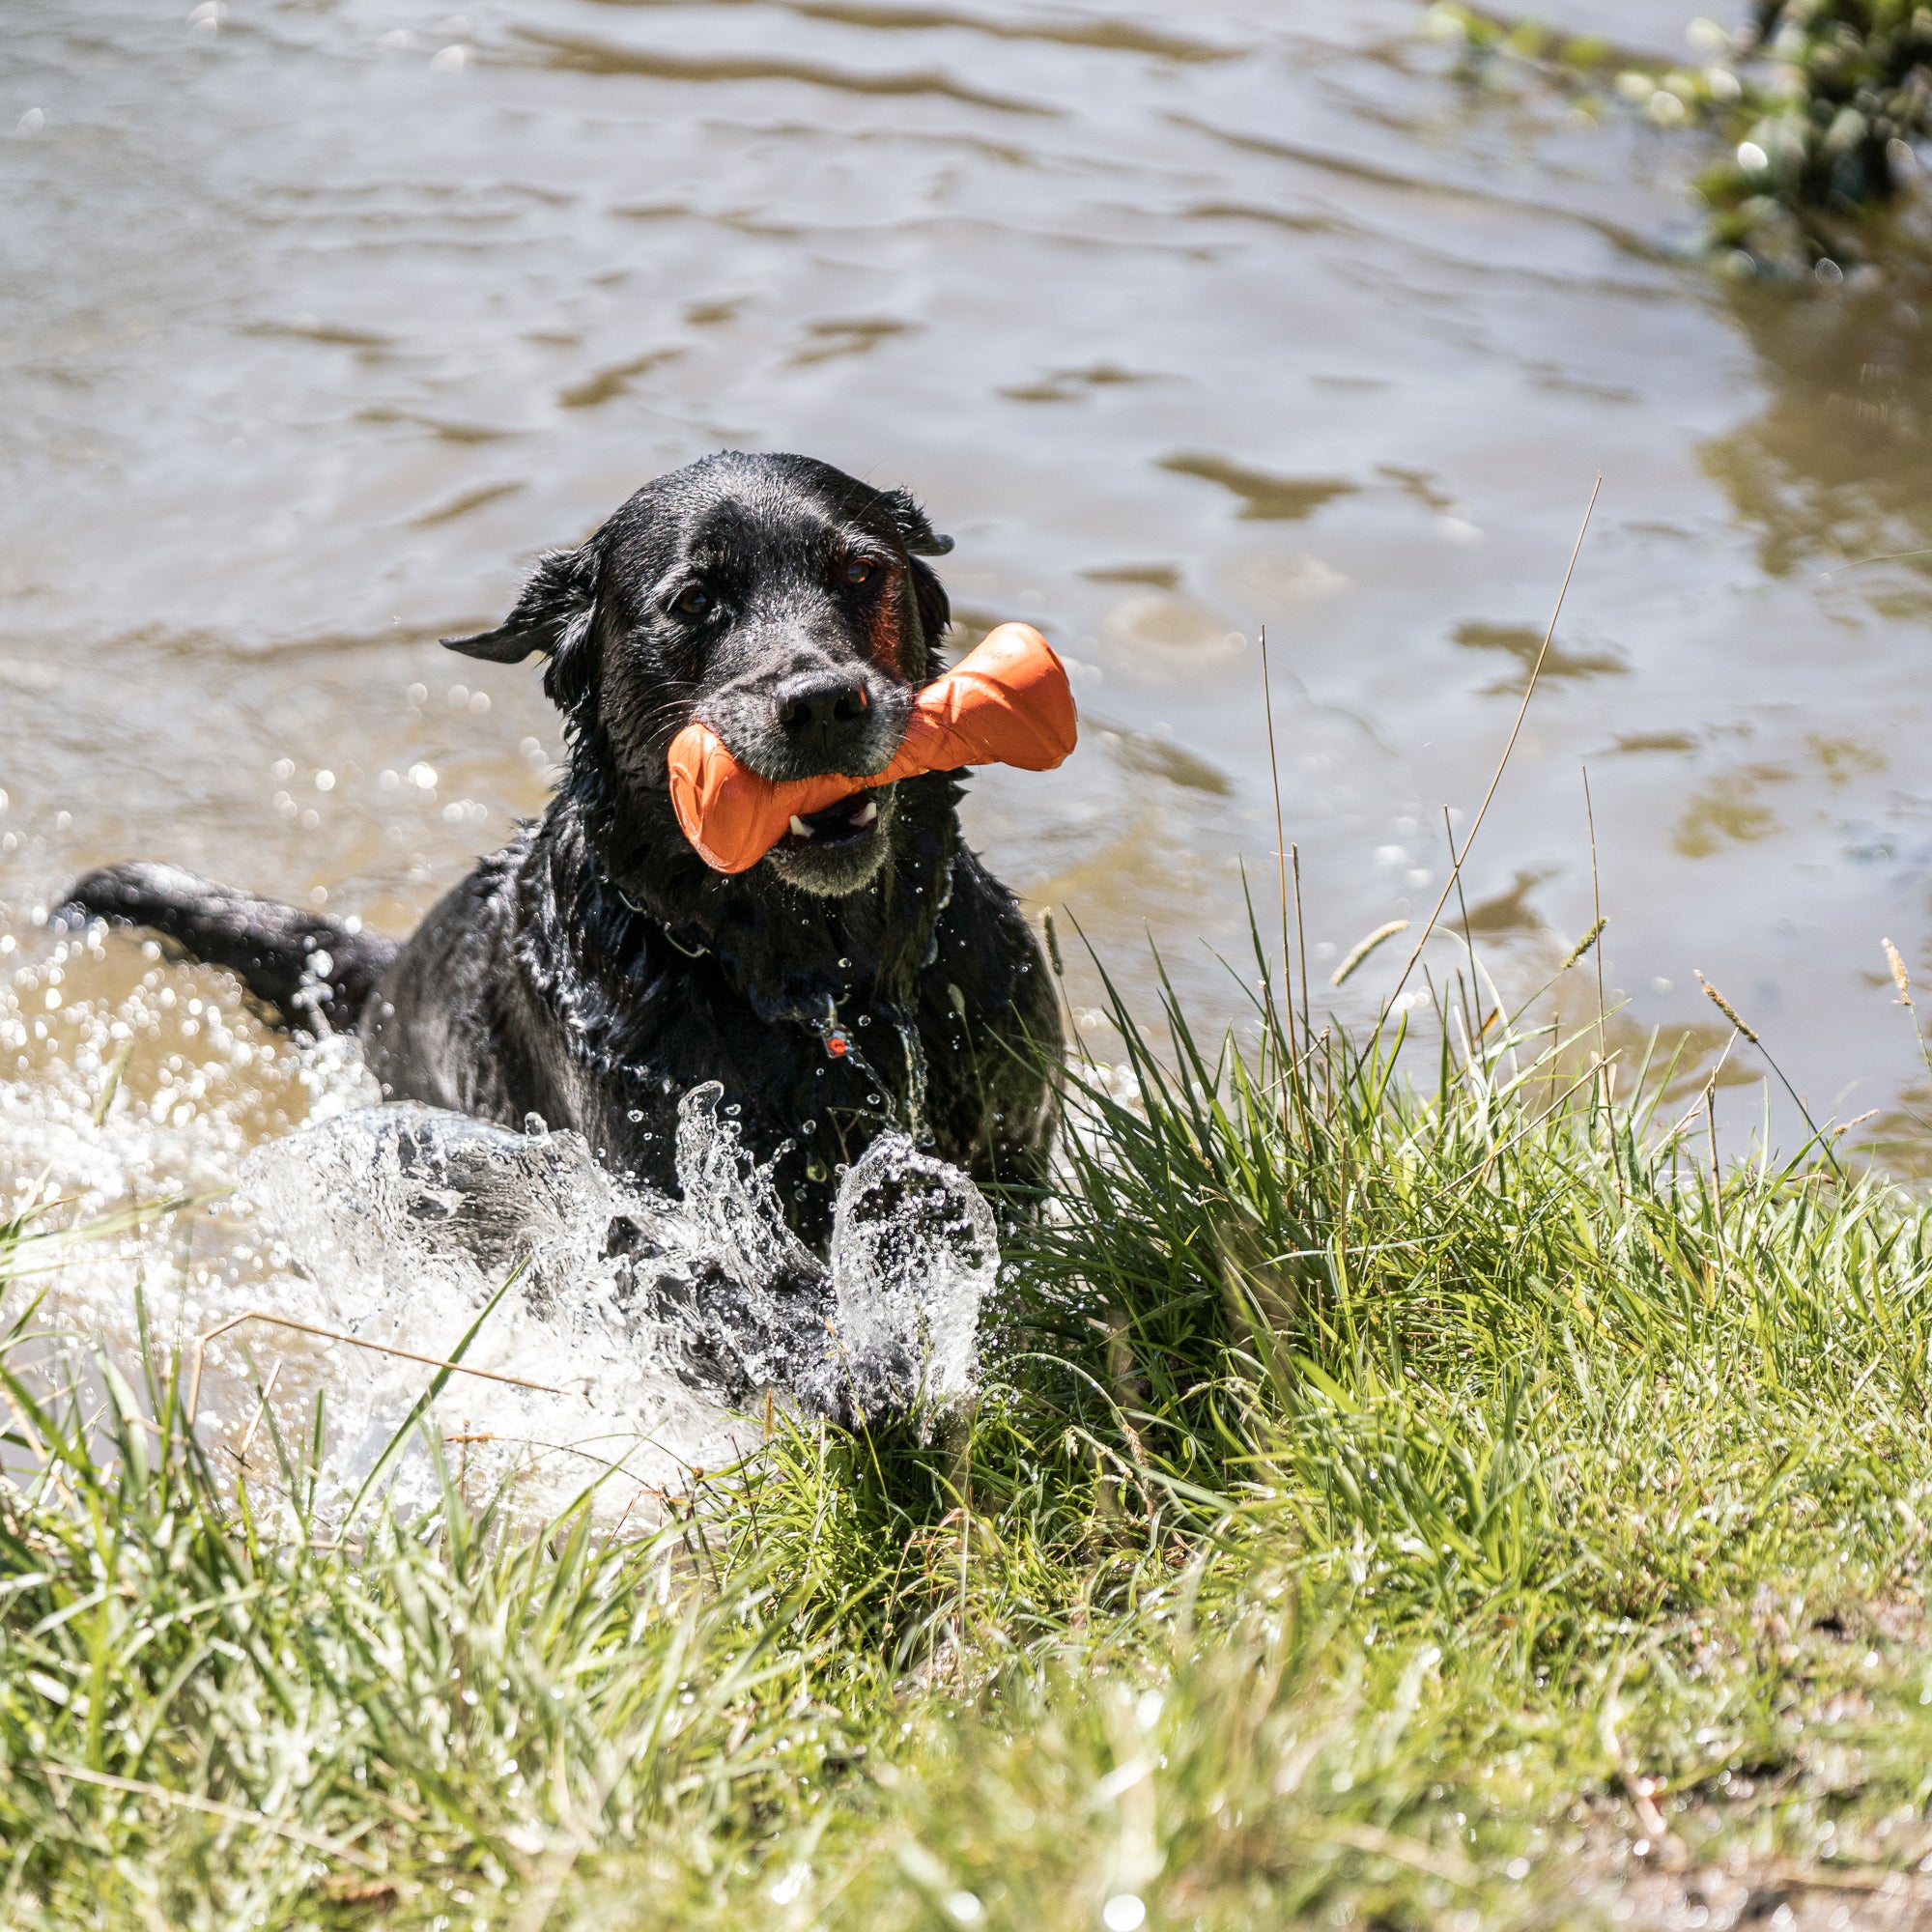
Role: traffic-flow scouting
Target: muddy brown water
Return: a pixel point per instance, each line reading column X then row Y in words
column 318, row 317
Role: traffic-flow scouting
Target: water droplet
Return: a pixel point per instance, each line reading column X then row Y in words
column 865, row 1020
column 845, row 965
column 635, row 1114
column 734, row 1110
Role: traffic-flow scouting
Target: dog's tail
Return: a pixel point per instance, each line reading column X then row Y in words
column 310, row 972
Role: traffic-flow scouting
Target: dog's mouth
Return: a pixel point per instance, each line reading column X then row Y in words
column 851, row 822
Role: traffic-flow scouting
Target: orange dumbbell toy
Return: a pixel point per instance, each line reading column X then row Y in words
column 1006, row 702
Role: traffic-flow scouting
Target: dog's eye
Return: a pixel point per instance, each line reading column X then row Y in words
column 860, row 570
column 692, row 603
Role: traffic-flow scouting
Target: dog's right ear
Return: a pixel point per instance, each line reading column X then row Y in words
column 558, row 595
column 915, row 530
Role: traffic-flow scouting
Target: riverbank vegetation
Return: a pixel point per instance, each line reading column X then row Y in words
column 1818, row 103
column 1411, row 1486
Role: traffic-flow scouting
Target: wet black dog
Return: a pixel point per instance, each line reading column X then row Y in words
column 870, row 972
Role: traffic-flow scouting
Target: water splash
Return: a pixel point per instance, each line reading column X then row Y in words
column 397, row 1225
column 915, row 1251
column 658, row 1326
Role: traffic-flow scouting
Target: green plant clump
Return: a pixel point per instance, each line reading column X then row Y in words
column 1396, row 1500
column 1818, row 101
column 1825, row 132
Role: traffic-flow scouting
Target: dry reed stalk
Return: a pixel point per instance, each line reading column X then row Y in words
column 1716, row 1172
column 1281, row 868
column 1050, row 932
column 1280, row 833
column 1609, row 1092
column 1427, row 1858
column 1596, row 914
column 214, row 1807
column 1823, row 1878
column 1300, row 937
column 261, row 1409
column 1436, row 1000
column 1460, row 1016
column 354, row 1341
column 1463, row 905
column 1516, row 730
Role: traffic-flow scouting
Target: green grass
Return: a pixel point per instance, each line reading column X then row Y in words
column 1399, row 1495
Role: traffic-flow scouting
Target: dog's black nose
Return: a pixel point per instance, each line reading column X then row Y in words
column 822, row 711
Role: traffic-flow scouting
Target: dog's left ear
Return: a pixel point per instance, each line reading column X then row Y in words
column 915, row 531
column 557, row 597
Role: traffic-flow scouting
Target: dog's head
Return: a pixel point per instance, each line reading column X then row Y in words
column 775, row 599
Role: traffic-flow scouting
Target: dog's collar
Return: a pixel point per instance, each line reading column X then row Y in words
column 688, row 951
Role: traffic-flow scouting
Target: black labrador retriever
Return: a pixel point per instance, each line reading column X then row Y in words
column 868, row 974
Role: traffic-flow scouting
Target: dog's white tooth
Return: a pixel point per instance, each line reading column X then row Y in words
column 867, row 812
column 799, row 826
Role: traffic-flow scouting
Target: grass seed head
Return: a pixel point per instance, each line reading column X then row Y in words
column 1724, row 1006
column 1583, row 945
column 1899, row 977
column 1052, row 933
column 1362, row 947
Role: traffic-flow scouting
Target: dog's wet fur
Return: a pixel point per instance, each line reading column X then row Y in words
column 595, row 968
